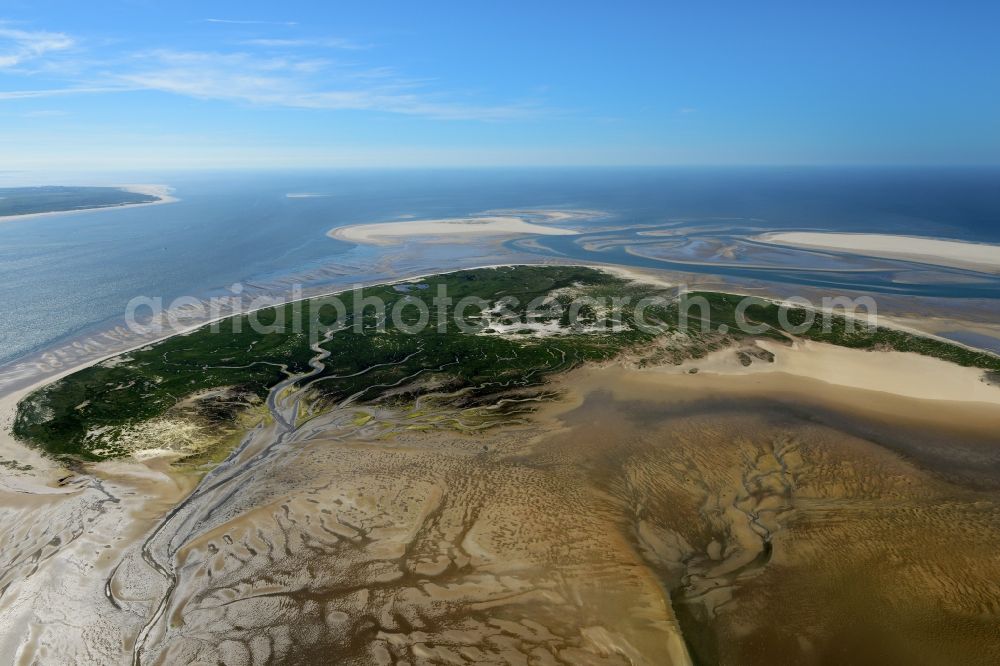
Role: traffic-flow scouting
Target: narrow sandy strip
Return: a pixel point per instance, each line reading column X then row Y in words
column 938, row 252
column 638, row 275
column 161, row 191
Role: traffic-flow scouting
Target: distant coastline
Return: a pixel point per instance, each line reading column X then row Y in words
column 161, row 192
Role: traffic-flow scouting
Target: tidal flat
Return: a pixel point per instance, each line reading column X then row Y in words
column 523, row 495
column 793, row 521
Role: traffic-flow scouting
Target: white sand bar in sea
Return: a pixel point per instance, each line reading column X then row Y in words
column 959, row 254
column 501, row 225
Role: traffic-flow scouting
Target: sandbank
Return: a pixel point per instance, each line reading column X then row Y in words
column 939, row 252
column 499, row 225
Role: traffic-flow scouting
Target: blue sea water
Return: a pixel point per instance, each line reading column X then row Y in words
column 61, row 275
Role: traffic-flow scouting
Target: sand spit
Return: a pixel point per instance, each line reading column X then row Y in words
column 161, row 191
column 639, row 275
column 956, row 254
column 388, row 233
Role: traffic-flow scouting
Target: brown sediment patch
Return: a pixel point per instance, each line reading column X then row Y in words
column 424, row 551
column 648, row 518
column 952, row 439
column 784, row 528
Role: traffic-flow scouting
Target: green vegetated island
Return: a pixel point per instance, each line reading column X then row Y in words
column 58, row 198
column 199, row 392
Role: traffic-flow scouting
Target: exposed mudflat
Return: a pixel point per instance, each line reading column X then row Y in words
column 643, row 518
column 796, row 526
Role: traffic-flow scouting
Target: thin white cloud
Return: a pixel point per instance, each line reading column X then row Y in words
column 268, row 73
column 250, row 22
column 299, row 83
column 60, row 92
column 325, row 43
column 19, row 46
column 45, row 113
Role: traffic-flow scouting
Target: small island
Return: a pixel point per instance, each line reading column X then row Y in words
column 196, row 394
column 50, row 199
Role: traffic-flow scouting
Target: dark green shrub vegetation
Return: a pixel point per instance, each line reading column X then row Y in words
column 53, row 198
column 80, row 415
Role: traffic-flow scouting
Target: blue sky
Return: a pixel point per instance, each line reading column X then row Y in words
column 181, row 84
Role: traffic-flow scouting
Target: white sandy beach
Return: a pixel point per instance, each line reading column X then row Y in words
column 499, row 225
column 935, row 251
column 639, row 275
column 161, row 191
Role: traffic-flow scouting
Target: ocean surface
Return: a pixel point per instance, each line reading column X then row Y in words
column 64, row 275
